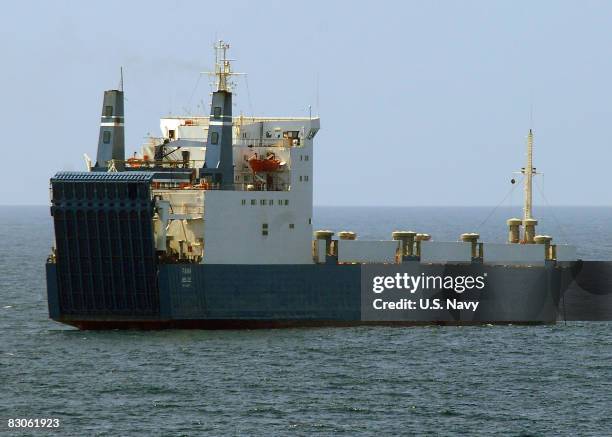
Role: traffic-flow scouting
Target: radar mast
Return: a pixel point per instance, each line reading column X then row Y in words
column 529, row 223
column 223, row 67
column 529, row 171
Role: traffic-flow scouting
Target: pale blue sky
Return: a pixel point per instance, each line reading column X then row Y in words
column 421, row 103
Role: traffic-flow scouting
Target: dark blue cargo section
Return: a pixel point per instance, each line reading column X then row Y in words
column 105, row 258
column 260, row 292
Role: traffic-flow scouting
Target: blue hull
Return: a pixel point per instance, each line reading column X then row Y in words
column 265, row 296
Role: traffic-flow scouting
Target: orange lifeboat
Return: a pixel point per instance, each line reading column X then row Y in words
column 134, row 162
column 264, row 165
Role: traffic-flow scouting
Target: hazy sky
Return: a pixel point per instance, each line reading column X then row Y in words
column 421, row 103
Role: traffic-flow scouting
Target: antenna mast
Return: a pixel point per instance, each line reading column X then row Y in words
column 528, row 171
column 223, row 67
column 529, row 223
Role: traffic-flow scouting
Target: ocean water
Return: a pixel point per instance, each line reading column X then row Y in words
column 508, row 380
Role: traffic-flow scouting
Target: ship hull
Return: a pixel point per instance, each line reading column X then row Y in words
column 200, row 296
column 217, row 325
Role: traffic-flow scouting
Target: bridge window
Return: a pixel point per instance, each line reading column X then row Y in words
column 253, row 202
column 291, row 225
column 244, row 201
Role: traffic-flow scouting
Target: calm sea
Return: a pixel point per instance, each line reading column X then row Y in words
column 508, row 380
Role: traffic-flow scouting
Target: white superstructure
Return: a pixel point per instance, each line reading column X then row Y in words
column 267, row 218
column 262, row 212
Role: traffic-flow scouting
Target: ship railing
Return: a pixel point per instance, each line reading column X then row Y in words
column 185, row 209
column 188, row 209
column 146, row 165
column 160, row 187
column 262, row 187
column 151, row 164
column 268, row 142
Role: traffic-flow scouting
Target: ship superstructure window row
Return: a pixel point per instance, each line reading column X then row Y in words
column 266, row 202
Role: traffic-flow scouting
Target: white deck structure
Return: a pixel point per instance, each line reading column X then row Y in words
column 266, row 217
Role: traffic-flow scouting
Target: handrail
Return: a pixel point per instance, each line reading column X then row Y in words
column 215, row 187
column 254, row 142
column 151, row 163
column 269, row 142
column 140, row 163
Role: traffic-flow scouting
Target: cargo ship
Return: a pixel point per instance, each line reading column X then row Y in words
column 210, row 227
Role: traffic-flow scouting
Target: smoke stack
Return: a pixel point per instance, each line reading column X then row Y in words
column 111, row 142
column 219, row 161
